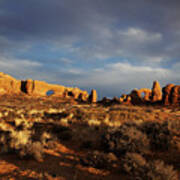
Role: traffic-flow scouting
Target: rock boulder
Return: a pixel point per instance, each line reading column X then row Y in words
column 9, row 85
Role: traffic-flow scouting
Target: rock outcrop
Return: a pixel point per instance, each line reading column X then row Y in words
column 171, row 94
column 93, row 96
column 140, row 96
column 167, row 91
column 83, row 96
column 9, row 84
column 40, row 88
column 145, row 95
column 175, row 96
column 156, row 92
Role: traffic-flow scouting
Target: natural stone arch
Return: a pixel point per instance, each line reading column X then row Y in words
column 147, row 94
column 40, row 88
column 50, row 92
column 137, row 98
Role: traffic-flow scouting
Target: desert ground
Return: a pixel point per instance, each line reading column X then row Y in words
column 62, row 139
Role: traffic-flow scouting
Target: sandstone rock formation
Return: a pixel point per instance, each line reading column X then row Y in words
column 105, row 101
column 140, row 96
column 175, row 96
column 135, row 97
column 167, row 91
column 116, row 100
column 83, row 96
column 156, row 92
column 125, row 98
column 171, row 94
column 128, row 99
column 9, row 84
column 40, row 88
column 93, row 96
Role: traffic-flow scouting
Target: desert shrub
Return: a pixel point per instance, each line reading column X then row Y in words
column 65, row 135
column 31, row 149
column 61, row 132
column 55, row 116
column 174, row 126
column 160, row 171
column 138, row 168
column 55, row 131
column 21, row 140
column 99, row 160
column 135, row 165
column 48, row 140
column 159, row 135
column 126, row 138
column 87, row 144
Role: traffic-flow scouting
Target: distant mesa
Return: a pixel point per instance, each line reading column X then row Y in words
column 168, row 95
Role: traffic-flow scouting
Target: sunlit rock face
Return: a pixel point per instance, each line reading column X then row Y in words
column 93, row 96
column 156, row 92
column 171, row 94
column 137, row 95
column 167, row 91
column 9, row 84
column 175, row 97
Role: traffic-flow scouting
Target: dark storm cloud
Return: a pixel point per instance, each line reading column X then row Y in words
column 82, row 21
column 42, row 18
column 66, row 17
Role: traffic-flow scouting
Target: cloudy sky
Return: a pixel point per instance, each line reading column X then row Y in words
column 111, row 45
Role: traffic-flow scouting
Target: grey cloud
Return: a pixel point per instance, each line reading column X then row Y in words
column 115, row 79
column 21, row 69
column 145, row 33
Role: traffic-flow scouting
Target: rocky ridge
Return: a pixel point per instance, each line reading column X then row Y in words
column 168, row 95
